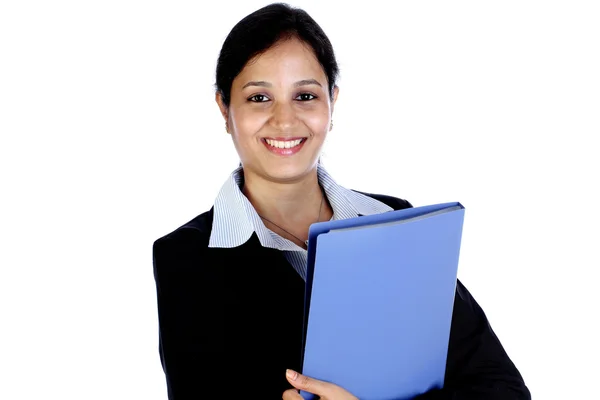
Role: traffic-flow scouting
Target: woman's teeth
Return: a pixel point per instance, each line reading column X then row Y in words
column 288, row 144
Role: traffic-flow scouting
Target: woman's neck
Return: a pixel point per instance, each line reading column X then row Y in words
column 289, row 206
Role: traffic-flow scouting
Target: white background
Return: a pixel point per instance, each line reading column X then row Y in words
column 111, row 139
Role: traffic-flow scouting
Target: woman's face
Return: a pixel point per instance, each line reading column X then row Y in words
column 280, row 112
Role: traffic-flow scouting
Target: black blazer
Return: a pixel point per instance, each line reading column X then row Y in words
column 230, row 323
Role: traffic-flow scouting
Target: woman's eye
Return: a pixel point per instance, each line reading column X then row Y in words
column 259, row 98
column 306, row 97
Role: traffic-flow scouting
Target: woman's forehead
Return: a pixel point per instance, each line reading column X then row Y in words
column 289, row 60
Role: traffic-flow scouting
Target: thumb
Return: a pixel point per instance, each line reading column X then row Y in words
column 308, row 384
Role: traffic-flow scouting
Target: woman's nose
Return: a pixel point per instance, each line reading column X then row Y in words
column 284, row 116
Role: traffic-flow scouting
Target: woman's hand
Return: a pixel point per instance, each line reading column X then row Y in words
column 325, row 390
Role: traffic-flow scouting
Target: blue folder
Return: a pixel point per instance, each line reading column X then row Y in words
column 379, row 299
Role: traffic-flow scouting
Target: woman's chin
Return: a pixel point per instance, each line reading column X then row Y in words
column 288, row 171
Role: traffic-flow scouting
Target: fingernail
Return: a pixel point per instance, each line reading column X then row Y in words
column 291, row 374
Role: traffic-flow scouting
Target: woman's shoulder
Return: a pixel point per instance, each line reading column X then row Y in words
column 394, row 202
column 196, row 231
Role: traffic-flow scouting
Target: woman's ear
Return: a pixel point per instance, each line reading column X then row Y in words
column 336, row 91
column 223, row 108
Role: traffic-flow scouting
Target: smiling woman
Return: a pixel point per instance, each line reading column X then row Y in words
column 276, row 85
column 230, row 282
column 279, row 103
column 276, row 91
column 257, row 111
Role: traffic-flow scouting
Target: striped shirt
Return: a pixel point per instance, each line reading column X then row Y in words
column 235, row 219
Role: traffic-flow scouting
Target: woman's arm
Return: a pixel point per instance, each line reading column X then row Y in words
column 190, row 317
column 477, row 366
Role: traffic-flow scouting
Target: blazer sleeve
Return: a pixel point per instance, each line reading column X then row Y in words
column 477, row 366
column 190, row 320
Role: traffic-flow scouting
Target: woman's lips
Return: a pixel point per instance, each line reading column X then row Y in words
column 284, row 146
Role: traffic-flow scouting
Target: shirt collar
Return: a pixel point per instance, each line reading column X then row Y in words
column 235, row 219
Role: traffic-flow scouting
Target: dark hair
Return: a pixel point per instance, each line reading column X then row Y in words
column 261, row 30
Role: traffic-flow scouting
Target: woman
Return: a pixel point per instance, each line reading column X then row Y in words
column 230, row 283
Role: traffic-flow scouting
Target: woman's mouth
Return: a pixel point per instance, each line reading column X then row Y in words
column 285, row 147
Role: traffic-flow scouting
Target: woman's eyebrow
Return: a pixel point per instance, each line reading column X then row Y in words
column 306, row 82
column 257, row 83
column 303, row 82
